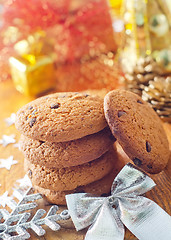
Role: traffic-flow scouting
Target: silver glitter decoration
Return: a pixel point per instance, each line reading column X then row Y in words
column 20, row 219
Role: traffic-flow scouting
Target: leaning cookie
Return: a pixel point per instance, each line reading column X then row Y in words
column 138, row 129
column 66, row 154
column 70, row 178
column 61, row 117
column 101, row 187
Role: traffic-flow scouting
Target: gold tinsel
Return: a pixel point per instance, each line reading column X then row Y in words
column 158, row 94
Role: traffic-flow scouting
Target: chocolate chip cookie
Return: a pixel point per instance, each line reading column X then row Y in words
column 138, row 129
column 100, row 187
column 70, row 178
column 61, row 117
column 66, row 154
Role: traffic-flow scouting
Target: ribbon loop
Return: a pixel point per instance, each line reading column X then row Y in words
column 83, row 208
column 131, row 182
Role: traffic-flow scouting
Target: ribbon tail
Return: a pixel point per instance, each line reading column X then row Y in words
column 145, row 219
column 107, row 225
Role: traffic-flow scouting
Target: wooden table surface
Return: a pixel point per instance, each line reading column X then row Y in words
column 10, row 102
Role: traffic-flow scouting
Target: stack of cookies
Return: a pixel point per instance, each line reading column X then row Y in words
column 67, row 145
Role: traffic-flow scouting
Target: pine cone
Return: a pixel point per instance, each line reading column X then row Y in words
column 146, row 69
column 158, row 94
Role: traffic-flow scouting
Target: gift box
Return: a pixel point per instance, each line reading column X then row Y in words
column 32, row 75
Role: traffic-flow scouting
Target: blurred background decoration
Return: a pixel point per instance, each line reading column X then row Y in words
column 75, row 45
column 70, row 44
column 147, row 32
column 146, row 52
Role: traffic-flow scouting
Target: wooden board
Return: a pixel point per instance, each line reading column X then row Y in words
column 11, row 101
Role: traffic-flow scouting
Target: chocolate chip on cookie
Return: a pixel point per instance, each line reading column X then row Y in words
column 137, row 162
column 148, row 146
column 32, row 122
column 54, row 105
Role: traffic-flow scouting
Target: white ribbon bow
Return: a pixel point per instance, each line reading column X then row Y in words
column 144, row 218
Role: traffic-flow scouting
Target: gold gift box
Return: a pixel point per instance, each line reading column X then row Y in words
column 32, row 75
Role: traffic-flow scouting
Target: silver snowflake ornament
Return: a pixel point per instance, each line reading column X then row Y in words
column 20, row 219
